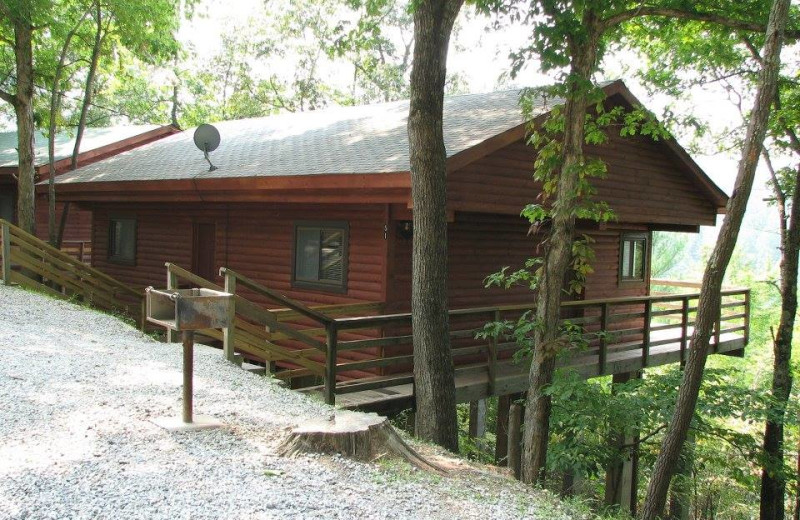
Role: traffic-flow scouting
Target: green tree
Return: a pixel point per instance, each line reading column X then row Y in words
column 708, row 304
column 571, row 38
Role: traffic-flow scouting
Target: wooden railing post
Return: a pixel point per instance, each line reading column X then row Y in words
column 603, row 353
column 718, row 327
column 229, row 333
column 747, row 317
column 492, row 357
column 684, row 328
column 648, row 316
column 330, row 363
column 172, row 283
column 6, row 253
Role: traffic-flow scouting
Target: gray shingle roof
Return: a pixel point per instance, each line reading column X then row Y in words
column 342, row 140
column 92, row 138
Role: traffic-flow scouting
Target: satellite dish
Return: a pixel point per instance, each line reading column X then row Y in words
column 206, row 138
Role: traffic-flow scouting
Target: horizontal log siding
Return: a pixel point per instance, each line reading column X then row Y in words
column 255, row 240
column 644, row 185
column 79, row 221
column 478, row 245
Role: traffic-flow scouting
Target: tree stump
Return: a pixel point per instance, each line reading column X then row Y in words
column 361, row 436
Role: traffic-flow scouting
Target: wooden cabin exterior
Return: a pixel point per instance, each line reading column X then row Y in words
column 98, row 144
column 259, row 213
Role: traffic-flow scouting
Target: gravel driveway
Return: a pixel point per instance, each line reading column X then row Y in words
column 78, row 390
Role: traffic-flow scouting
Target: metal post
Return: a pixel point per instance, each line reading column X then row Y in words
column 229, row 333
column 6, row 253
column 188, row 372
column 330, row 364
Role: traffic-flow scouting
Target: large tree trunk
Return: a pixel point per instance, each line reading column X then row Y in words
column 23, row 107
column 773, row 481
column 89, row 87
column 433, row 365
column 708, row 306
column 557, row 256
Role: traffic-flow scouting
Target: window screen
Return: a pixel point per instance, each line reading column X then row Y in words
column 122, row 240
column 320, row 255
column 633, row 257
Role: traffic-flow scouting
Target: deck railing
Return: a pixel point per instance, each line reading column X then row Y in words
column 28, row 261
column 353, row 348
column 80, row 249
column 257, row 329
column 634, row 330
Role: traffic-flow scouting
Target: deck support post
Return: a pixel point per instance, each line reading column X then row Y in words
column 501, row 435
column 6, row 230
column 515, row 415
column 477, row 418
column 622, row 477
column 229, row 333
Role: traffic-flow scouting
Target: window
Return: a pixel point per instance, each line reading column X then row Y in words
column 320, row 256
column 633, row 257
column 122, row 241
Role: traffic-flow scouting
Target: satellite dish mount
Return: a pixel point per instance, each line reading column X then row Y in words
column 206, row 138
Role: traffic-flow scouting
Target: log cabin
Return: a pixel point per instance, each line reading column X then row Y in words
column 97, row 144
column 317, row 207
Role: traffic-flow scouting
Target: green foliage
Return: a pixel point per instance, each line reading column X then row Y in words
column 668, row 250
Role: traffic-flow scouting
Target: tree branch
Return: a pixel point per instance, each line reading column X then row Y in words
column 8, row 97
column 624, row 16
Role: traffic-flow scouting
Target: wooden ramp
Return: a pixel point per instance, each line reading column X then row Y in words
column 32, row 263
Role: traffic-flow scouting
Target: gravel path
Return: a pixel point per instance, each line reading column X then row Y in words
column 78, row 390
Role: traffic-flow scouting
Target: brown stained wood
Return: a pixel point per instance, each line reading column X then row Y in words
column 360, row 436
column 515, row 416
column 501, row 433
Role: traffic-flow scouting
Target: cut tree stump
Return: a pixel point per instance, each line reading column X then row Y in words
column 361, row 436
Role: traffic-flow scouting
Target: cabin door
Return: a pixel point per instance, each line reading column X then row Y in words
column 204, row 250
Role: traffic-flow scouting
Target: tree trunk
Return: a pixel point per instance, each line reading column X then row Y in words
column 708, row 306
column 557, row 256
column 55, row 108
column 680, row 493
column 23, row 107
column 773, row 481
column 433, row 365
column 89, row 87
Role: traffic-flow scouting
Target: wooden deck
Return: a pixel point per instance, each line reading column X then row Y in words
column 365, row 358
column 473, row 382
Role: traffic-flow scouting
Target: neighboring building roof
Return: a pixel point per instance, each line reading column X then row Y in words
column 93, row 138
column 342, row 140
